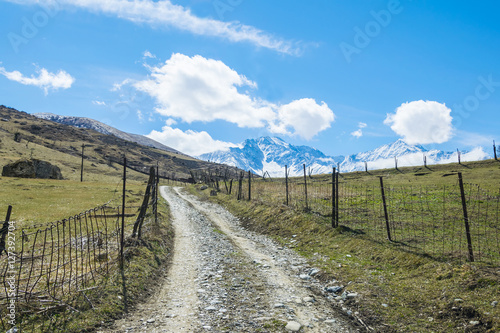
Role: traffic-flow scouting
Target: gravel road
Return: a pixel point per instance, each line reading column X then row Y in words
column 224, row 278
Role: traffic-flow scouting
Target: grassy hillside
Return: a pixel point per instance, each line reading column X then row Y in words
column 62, row 144
column 37, row 202
column 400, row 289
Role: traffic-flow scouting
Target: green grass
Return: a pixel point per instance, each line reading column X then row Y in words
column 41, row 201
column 401, row 288
column 144, row 265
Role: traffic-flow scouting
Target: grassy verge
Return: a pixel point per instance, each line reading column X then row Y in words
column 43, row 201
column 399, row 291
column 144, row 265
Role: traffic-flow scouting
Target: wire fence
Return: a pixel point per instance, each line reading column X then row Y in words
column 47, row 267
column 63, row 258
column 441, row 221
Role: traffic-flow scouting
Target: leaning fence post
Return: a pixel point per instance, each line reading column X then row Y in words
column 4, row 230
column 466, row 217
column 305, row 186
column 495, row 151
column 386, row 214
column 334, row 210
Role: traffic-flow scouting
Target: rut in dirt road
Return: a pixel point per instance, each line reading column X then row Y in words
column 224, row 278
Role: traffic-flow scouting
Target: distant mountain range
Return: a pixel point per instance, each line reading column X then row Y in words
column 82, row 122
column 271, row 154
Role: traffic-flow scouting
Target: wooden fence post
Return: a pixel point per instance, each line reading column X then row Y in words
column 249, row 185
column 495, row 151
column 144, row 207
column 337, row 198
column 305, row 186
column 122, row 239
column 240, row 185
column 81, row 169
column 386, row 214
column 286, row 183
column 466, row 217
column 122, row 235
column 4, row 230
column 334, row 210
column 366, row 166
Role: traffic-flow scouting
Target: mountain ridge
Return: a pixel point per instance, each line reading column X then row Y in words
column 84, row 122
column 271, row 154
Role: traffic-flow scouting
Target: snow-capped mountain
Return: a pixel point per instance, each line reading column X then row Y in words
column 271, row 154
column 82, row 122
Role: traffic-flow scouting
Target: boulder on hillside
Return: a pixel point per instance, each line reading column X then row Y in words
column 32, row 169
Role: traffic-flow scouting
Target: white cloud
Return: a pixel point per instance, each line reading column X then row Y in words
column 140, row 116
column 200, row 89
column 45, row 79
column 170, row 122
column 164, row 13
column 359, row 132
column 190, row 142
column 303, row 117
column 148, row 54
column 100, row 103
column 422, row 122
column 118, row 86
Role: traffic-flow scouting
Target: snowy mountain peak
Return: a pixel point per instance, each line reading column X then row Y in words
column 271, row 154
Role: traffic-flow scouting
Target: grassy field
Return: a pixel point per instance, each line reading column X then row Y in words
column 401, row 289
column 38, row 202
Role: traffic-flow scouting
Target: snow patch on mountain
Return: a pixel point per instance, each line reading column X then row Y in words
column 271, row 154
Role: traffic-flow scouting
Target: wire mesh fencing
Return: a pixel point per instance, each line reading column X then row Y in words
column 434, row 220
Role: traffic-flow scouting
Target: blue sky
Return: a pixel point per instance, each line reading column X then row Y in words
column 198, row 75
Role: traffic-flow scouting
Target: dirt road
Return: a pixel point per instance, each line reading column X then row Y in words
column 224, row 278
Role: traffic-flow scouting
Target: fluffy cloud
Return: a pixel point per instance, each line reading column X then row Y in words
column 164, row 13
column 45, row 79
column 200, row 89
column 303, row 117
column 190, row 142
column 359, row 132
column 422, row 122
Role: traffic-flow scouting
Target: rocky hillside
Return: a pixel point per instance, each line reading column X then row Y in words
column 23, row 135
